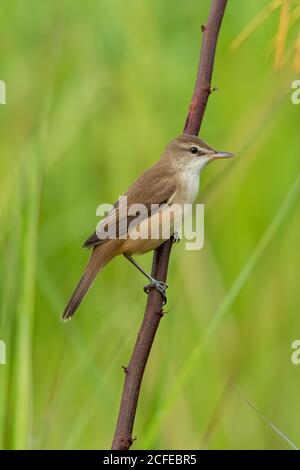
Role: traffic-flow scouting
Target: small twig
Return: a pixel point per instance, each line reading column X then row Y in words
column 135, row 370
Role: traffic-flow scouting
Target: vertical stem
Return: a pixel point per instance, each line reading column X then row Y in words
column 153, row 313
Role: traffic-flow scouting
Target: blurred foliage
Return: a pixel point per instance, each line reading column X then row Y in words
column 287, row 34
column 95, row 90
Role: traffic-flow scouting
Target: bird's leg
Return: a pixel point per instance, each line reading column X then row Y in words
column 175, row 237
column 160, row 286
column 138, row 267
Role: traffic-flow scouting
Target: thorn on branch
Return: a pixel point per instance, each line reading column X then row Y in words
column 209, row 89
column 125, row 369
column 126, row 442
column 203, row 28
column 160, row 313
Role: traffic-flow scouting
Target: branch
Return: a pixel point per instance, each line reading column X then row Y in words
column 154, row 312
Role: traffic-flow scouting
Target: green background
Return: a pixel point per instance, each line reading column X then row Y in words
column 95, row 90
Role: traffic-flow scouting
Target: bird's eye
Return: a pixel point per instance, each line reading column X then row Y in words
column 194, row 150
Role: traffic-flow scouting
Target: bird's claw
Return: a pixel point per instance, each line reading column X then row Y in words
column 160, row 287
column 175, row 237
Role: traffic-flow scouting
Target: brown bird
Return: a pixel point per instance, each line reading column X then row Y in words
column 163, row 190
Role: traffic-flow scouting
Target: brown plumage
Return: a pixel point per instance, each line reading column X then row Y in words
column 105, row 249
column 173, row 179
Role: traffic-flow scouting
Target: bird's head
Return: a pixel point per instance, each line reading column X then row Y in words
column 190, row 152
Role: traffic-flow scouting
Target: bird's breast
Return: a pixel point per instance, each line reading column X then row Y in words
column 188, row 187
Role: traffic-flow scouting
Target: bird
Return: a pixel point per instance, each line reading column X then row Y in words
column 171, row 183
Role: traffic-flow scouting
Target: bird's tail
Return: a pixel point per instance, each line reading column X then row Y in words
column 96, row 262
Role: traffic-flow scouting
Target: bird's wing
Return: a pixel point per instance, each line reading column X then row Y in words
column 115, row 225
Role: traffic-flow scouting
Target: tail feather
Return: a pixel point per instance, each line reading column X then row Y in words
column 91, row 271
column 74, row 302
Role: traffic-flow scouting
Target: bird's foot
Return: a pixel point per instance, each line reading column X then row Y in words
column 160, row 286
column 175, row 237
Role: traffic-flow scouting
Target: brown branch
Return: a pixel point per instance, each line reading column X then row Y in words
column 153, row 314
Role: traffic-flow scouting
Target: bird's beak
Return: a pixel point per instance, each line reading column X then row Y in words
column 217, row 155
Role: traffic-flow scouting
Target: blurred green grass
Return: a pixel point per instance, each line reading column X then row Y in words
column 94, row 92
